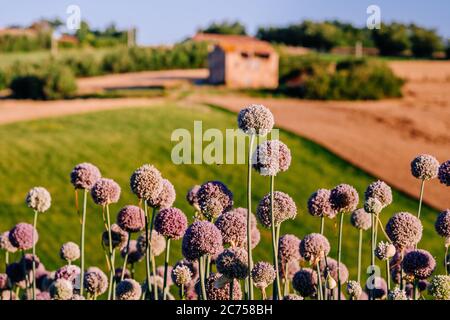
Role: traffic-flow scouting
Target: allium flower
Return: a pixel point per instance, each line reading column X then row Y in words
column 442, row 224
column 360, row 219
column 373, row 206
column 263, row 274
column 157, row 243
column 131, row 219
column 425, row 167
column 192, row 198
column 397, row 294
column 118, row 274
column 314, row 246
column 7, row 295
column 69, row 251
column 380, row 191
column 3, row 281
column 166, row 197
column 233, row 263
column 344, row 198
column 288, row 249
column 233, row 226
column 192, row 265
column 171, row 223
column 84, row 176
column 96, row 281
column 5, row 244
column 23, row 235
column 354, row 289
column 134, row 255
column 61, row 290
column 385, row 250
column 105, row 191
column 243, row 211
column 332, row 269
column 292, row 297
column 305, row 282
column 404, row 229
column 16, row 273
column 292, row 268
column 215, row 293
column 38, row 199
column 68, row 272
column 419, row 263
column 214, row 198
column 444, row 173
column 319, row 204
column 283, row 208
column 255, row 237
column 78, row 297
column 439, row 287
column 27, row 261
column 146, row 182
column 379, row 290
column 128, row 289
column 119, row 237
column 43, row 295
column 271, row 157
column 201, row 238
column 255, row 119
column 181, row 275
column 160, row 272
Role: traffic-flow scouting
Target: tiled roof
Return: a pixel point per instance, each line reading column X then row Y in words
column 235, row 42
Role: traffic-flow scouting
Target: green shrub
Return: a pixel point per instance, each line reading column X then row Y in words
column 28, row 87
column 447, row 49
column 117, row 62
column 424, row 42
column 85, row 65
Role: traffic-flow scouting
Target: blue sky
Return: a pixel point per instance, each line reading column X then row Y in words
column 161, row 22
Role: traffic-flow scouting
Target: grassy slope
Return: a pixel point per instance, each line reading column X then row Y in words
column 43, row 153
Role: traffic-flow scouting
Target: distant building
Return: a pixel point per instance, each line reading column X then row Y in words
column 241, row 61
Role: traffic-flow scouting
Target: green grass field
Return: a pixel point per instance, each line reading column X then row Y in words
column 43, row 153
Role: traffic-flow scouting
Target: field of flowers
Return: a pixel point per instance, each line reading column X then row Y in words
column 312, row 214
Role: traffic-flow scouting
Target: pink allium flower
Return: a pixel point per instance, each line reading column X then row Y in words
column 360, row 219
column 69, row 251
column 215, row 293
column 283, row 208
column 166, row 197
column 27, row 261
column 61, row 290
column 419, row 263
column 68, row 272
column 214, row 198
column 314, row 246
column 119, row 237
column 292, row 296
column 131, row 219
column 181, row 275
column 263, row 274
column 128, row 289
column 157, row 243
column 233, row 263
column 105, row 191
column 134, row 255
column 38, row 199
column 5, row 244
column 425, row 167
column 96, row 281
column 380, row 191
column 171, row 223
column 380, row 288
column 3, row 281
column 444, row 173
column 332, row 269
column 442, row 224
column 201, row 238
column 271, row 157
column 233, row 226
column 404, row 229
column 146, row 182
column 84, row 176
column 255, row 119
column 288, row 249
column 319, row 204
column 192, row 265
column 344, row 198
column 23, row 236
column 305, row 282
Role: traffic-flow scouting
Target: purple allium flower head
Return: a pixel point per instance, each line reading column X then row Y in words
column 146, row 182
column 192, row 265
column 78, row 297
column 68, row 272
column 314, row 246
column 201, row 238
column 292, row 296
column 422, row 285
column 354, row 289
column 233, row 263
column 165, row 198
column 255, row 119
column 360, row 219
column 385, row 250
column 27, row 261
column 119, row 237
column 319, row 204
column 181, row 275
column 271, row 157
column 214, row 198
column 38, row 199
column 233, row 226
column 397, row 294
column 43, row 295
column 344, row 198
column 118, row 274
column 96, row 281
column 404, row 229
column 3, row 281
column 424, row 167
column 84, row 176
column 171, row 223
column 283, row 208
column 255, row 237
column 419, row 263
column 7, row 295
column 243, row 211
column 160, row 273
column 373, row 206
column 192, row 198
column 16, row 273
column 131, row 219
column 292, row 268
column 105, row 191
column 305, row 282
column 61, row 289
column 134, row 255
column 157, row 243
column 23, row 236
column 263, row 274
column 379, row 289
column 380, row 191
column 69, row 251
column 5, row 244
column 128, row 289
column 444, row 173
column 332, row 269
column 215, row 293
column 439, row 287
column 442, row 224
column 288, row 249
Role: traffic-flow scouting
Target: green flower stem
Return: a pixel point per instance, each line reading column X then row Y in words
column 207, row 266
column 359, row 254
column 319, row 278
column 155, row 285
column 415, row 289
column 277, row 289
column 6, row 260
column 231, row 290
column 263, row 293
column 372, row 251
column 34, row 255
column 286, row 280
column 202, row 278
column 182, row 292
column 322, row 224
column 422, row 186
column 445, row 260
column 83, row 232
column 111, row 258
column 341, row 224
column 166, row 266
column 125, row 259
column 147, row 243
column 402, row 285
column 250, row 294
column 388, row 277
